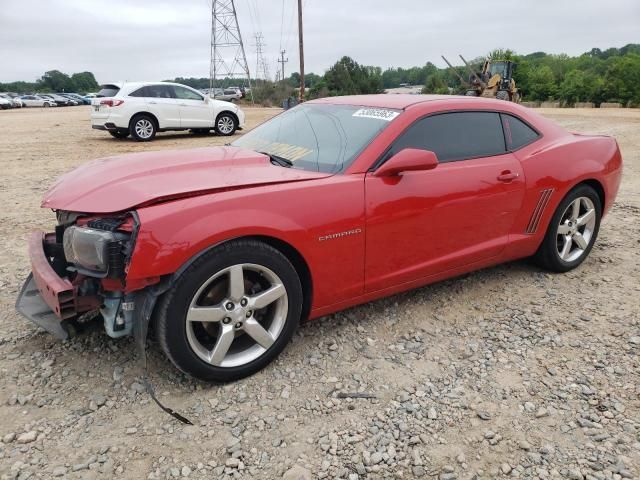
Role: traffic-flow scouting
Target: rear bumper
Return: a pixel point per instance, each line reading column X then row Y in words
column 106, row 126
column 47, row 299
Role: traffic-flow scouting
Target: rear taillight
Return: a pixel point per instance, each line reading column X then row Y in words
column 111, row 102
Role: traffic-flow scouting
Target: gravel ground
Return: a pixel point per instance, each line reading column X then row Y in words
column 507, row 372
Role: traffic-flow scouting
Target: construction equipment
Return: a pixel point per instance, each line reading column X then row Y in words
column 494, row 81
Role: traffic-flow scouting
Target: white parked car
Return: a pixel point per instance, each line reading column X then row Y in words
column 14, row 102
column 36, row 101
column 144, row 108
column 5, row 104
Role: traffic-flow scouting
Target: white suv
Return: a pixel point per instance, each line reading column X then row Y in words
column 143, row 109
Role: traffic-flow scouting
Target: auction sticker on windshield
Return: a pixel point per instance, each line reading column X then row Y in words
column 377, row 113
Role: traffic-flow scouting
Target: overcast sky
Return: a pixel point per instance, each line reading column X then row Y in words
column 161, row 39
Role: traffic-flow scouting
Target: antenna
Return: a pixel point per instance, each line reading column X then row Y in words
column 228, row 58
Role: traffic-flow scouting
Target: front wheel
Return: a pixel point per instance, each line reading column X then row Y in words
column 231, row 312
column 572, row 231
column 226, row 124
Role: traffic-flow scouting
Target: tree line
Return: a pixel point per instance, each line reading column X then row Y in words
column 54, row 81
column 611, row 75
column 597, row 76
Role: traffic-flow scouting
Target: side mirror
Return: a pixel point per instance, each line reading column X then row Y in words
column 407, row 160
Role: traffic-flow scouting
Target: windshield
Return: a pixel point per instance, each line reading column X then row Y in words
column 498, row 67
column 319, row 138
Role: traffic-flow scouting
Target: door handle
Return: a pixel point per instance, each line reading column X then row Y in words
column 507, row 176
column 183, row 104
column 153, row 103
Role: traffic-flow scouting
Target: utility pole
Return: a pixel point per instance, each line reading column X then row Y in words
column 301, row 46
column 282, row 61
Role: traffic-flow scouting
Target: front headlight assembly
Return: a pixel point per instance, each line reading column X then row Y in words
column 94, row 252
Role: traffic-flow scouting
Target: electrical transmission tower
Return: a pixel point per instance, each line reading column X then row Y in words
column 262, row 68
column 228, row 58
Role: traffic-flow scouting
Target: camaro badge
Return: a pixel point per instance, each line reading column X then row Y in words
column 333, row 236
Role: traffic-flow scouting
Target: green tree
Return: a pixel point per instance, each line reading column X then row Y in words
column 56, row 81
column 84, row 82
column 436, row 83
column 542, row 83
column 622, row 80
column 501, row 54
column 579, row 86
column 347, row 77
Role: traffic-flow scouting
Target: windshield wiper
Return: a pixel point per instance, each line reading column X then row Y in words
column 283, row 162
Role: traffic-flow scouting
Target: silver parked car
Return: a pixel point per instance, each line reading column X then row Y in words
column 37, row 101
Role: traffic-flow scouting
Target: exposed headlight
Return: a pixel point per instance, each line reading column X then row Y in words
column 98, row 251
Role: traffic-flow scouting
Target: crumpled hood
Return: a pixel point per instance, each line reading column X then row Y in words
column 127, row 181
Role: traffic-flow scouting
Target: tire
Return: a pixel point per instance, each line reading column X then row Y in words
column 503, row 95
column 119, row 134
column 471, row 93
column 551, row 254
column 143, row 127
column 46, row 105
column 226, row 124
column 198, row 347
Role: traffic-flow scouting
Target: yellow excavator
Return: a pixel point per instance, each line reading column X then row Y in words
column 494, row 81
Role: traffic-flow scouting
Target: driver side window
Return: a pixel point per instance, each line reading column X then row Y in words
column 455, row 136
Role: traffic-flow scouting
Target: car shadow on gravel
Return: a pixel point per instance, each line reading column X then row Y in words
column 160, row 137
column 107, row 355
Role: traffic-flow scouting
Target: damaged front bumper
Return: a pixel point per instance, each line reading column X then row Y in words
column 54, row 302
column 46, row 299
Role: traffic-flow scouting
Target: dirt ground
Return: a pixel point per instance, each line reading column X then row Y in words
column 505, row 372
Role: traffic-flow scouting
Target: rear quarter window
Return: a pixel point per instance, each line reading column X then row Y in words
column 108, row 91
column 517, row 134
column 141, row 92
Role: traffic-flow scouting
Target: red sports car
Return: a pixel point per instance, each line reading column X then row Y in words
column 339, row 201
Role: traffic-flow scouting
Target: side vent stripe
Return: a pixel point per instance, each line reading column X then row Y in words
column 543, row 201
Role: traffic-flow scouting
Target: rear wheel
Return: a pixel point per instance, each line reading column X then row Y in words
column 231, row 312
column 226, row 124
column 143, row 128
column 119, row 134
column 572, row 231
column 502, row 95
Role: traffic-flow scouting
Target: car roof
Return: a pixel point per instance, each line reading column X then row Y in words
column 404, row 101
column 399, row 101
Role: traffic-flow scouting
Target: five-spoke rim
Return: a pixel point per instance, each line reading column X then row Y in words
column 576, row 228
column 144, row 128
column 225, row 124
column 236, row 315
